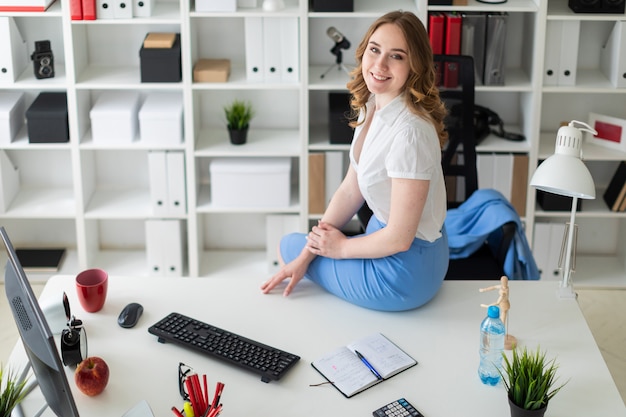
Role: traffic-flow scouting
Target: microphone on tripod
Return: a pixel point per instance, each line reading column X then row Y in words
column 341, row 42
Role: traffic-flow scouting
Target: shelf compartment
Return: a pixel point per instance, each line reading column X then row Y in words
column 261, row 142
column 107, row 56
column 204, row 204
column 115, row 184
column 163, row 12
column 46, row 188
column 273, row 109
column 117, row 245
column 85, row 101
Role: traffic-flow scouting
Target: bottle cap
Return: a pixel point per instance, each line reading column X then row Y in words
column 493, row 311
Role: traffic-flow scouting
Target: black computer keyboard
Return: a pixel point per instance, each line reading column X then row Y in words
column 267, row 361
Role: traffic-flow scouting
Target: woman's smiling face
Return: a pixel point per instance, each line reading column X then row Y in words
column 385, row 63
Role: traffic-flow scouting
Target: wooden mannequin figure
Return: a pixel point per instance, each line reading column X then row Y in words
column 503, row 302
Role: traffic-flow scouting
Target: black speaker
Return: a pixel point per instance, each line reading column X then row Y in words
column 597, row 6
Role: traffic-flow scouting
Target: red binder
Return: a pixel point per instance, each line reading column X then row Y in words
column 436, row 24
column 452, row 46
column 76, row 9
column 89, row 9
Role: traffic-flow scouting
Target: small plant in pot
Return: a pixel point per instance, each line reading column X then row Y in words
column 530, row 381
column 238, row 116
column 11, row 392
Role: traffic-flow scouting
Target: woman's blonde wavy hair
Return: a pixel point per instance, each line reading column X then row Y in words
column 421, row 92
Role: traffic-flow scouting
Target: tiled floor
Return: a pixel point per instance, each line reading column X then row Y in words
column 605, row 311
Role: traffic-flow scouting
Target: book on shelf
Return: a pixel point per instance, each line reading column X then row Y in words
column 362, row 364
column 615, row 193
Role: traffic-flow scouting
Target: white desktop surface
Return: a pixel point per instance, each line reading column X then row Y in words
column 443, row 336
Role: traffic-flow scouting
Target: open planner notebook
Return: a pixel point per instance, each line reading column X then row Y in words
column 362, row 364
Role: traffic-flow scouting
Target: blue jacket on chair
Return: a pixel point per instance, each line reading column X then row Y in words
column 484, row 212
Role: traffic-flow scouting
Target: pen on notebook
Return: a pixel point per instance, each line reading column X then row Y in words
column 371, row 368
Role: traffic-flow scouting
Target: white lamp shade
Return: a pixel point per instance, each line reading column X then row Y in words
column 564, row 175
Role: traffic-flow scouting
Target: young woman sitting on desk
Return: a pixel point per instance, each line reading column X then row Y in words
column 401, row 260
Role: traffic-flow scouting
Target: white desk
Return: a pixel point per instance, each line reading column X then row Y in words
column 443, row 336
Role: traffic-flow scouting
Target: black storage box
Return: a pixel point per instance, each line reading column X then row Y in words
column 332, row 5
column 555, row 202
column 339, row 131
column 161, row 65
column 47, row 119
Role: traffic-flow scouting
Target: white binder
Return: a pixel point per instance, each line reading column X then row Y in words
column 276, row 226
column 613, row 55
column 157, row 170
column 105, row 9
column 272, row 65
column 503, row 173
column 473, row 31
column 495, row 48
column 123, row 9
column 13, row 50
column 289, row 49
column 9, row 181
column 548, row 239
column 253, row 27
column 485, row 163
column 554, row 30
column 173, row 247
column 143, row 8
column 164, row 247
column 569, row 52
column 176, row 190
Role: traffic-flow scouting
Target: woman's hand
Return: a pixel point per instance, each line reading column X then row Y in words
column 294, row 271
column 326, row 240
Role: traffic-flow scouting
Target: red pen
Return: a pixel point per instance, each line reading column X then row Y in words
column 218, row 393
column 192, row 397
column 176, row 412
column 215, row 411
column 195, row 381
column 206, row 391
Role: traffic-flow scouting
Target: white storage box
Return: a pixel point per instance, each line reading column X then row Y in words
column 250, row 182
column 216, row 5
column 11, row 115
column 161, row 119
column 114, row 117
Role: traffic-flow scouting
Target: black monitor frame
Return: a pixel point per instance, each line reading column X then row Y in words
column 36, row 336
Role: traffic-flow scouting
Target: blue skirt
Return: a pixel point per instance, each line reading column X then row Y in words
column 398, row 282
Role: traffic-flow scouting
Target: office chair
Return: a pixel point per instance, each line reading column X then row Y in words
column 459, row 167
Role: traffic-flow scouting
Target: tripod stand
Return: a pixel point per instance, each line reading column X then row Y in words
column 338, row 61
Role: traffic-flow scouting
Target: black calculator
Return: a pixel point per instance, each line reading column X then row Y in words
column 397, row 408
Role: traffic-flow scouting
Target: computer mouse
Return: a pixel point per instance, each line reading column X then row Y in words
column 129, row 316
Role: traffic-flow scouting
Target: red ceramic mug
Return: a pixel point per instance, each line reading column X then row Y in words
column 91, row 286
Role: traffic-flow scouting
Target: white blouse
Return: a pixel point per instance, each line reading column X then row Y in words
column 400, row 144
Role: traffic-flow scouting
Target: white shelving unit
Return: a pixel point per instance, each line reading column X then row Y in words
column 94, row 198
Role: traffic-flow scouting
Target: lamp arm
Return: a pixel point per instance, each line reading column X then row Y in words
column 567, row 270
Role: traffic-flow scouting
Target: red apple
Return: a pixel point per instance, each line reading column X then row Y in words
column 92, row 375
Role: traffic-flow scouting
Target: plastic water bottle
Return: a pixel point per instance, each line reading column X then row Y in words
column 492, row 333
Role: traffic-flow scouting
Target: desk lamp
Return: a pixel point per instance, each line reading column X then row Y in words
column 564, row 173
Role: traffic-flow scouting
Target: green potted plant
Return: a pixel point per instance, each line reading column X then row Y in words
column 530, row 381
column 238, row 116
column 11, row 392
